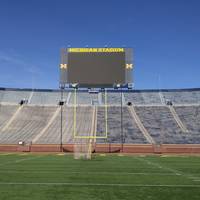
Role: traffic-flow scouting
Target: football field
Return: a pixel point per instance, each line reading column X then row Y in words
column 106, row 176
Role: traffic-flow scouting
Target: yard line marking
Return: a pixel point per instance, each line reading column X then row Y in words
column 98, row 184
column 195, row 178
column 177, row 172
column 78, row 172
column 6, row 154
column 19, row 160
column 159, row 166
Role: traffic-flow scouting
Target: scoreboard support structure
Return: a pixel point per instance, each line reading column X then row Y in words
column 96, row 68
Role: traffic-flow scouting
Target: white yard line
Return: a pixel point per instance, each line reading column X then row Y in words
column 177, row 172
column 158, row 166
column 7, row 154
column 78, row 172
column 19, row 160
column 99, row 184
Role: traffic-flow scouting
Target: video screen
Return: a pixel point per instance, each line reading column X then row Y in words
column 96, row 68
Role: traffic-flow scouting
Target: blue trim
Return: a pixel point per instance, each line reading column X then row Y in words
column 109, row 90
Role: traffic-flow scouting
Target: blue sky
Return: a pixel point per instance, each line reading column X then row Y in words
column 165, row 35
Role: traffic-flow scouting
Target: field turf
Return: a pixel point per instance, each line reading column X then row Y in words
column 112, row 177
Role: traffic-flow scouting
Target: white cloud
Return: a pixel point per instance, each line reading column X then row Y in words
column 14, row 59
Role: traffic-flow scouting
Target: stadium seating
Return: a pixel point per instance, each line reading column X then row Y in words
column 114, row 98
column 83, row 125
column 162, row 127
column 84, row 98
column 45, row 98
column 6, row 112
column 190, row 115
column 39, row 120
column 26, row 125
column 13, row 97
column 183, row 97
column 131, row 133
column 143, row 98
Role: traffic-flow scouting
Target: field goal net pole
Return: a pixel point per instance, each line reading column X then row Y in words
column 61, row 103
column 122, row 128
column 84, row 142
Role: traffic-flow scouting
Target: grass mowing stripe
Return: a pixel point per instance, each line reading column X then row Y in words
column 100, row 184
column 78, row 172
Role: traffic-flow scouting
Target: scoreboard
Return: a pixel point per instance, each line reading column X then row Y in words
column 96, row 67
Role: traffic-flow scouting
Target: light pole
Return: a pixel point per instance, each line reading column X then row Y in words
column 61, row 120
column 121, row 117
column 122, row 128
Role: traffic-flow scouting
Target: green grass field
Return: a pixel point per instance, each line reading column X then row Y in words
column 51, row 177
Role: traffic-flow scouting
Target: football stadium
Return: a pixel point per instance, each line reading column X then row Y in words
column 97, row 137
column 99, row 100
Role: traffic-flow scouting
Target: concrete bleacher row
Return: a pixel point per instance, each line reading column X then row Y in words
column 41, row 124
column 25, row 124
column 30, row 121
column 130, row 133
column 154, row 97
column 163, row 128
